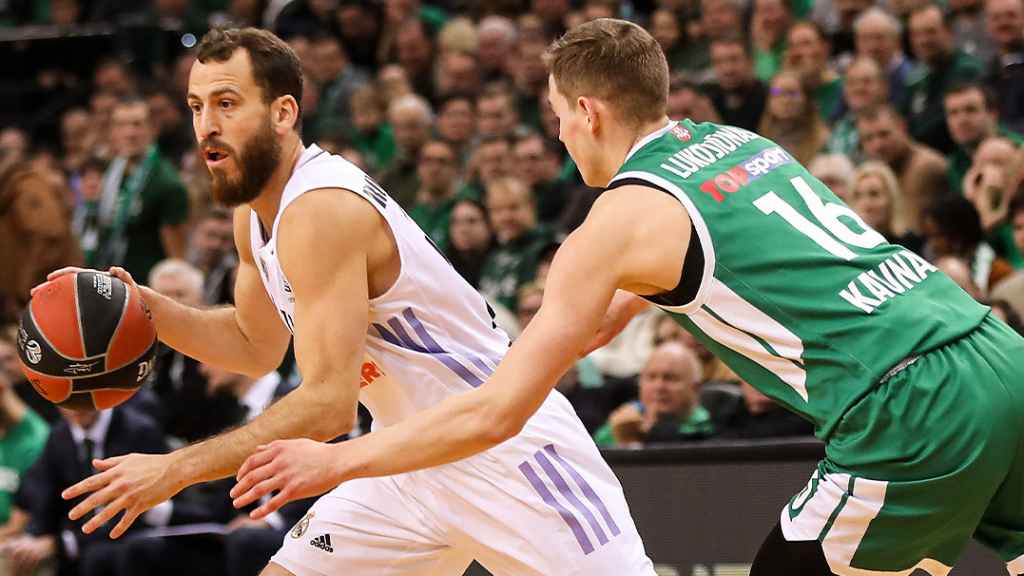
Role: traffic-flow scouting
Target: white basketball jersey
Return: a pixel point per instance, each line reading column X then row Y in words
column 430, row 335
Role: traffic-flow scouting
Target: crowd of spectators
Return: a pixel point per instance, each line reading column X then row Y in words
column 911, row 111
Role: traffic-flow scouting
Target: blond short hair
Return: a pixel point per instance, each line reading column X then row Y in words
column 875, row 169
column 615, row 61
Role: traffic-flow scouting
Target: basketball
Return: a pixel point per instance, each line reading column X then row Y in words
column 86, row 341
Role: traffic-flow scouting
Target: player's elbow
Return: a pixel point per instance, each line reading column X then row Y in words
column 500, row 424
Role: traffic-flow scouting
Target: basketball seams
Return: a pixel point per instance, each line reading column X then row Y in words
column 120, row 320
column 79, row 321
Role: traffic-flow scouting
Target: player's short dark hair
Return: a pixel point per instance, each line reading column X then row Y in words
column 989, row 95
column 275, row 66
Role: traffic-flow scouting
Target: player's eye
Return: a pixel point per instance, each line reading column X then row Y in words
column 226, row 104
column 196, row 108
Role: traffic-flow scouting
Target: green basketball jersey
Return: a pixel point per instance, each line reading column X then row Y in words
column 798, row 296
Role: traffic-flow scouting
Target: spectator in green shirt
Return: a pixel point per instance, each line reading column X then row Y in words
column 23, row 434
column 942, row 65
column 865, row 86
column 668, row 409
column 513, row 263
column 992, row 184
column 807, row 54
column 411, row 118
column 768, row 26
column 370, row 133
column 437, row 172
column 972, row 116
column 140, row 218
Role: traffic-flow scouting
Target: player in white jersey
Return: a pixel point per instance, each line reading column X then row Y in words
column 377, row 315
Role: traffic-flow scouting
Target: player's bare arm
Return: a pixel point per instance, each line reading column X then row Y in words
column 247, row 338
column 331, row 310
column 634, row 239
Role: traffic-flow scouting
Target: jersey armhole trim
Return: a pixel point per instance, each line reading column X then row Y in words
column 699, row 226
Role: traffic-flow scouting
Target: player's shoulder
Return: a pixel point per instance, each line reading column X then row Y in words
column 329, row 212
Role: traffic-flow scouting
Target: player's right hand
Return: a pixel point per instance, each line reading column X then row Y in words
column 115, row 271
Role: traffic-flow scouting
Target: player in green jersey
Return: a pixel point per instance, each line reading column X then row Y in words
column 916, row 389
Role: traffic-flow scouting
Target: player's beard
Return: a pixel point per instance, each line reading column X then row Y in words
column 256, row 161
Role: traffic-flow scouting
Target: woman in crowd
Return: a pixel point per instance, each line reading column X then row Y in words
column 791, row 119
column 876, row 197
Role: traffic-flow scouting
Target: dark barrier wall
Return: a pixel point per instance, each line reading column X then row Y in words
column 704, row 509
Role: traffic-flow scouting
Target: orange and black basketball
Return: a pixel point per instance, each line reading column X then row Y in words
column 86, row 341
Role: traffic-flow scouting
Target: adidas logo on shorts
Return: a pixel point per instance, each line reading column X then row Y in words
column 322, row 542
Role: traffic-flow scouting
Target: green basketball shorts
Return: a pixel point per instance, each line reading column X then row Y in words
column 929, row 458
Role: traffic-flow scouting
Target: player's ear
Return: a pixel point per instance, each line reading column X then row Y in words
column 588, row 108
column 284, row 112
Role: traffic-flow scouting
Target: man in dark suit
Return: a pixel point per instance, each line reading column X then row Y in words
column 66, row 459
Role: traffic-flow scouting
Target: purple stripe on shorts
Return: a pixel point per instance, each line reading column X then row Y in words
column 550, row 500
column 568, row 494
column 585, row 487
column 434, row 348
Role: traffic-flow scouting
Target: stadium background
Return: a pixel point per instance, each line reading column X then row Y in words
column 910, row 110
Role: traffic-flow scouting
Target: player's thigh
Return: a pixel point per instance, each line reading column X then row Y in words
column 368, row 527
column 545, row 510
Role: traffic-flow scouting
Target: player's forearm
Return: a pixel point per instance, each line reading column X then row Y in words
column 478, row 420
column 212, row 336
column 300, row 414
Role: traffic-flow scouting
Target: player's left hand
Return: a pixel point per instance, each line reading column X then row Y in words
column 133, row 483
column 296, row 469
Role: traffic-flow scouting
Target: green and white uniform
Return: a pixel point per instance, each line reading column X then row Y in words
column 905, row 377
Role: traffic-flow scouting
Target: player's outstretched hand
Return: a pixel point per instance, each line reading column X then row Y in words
column 133, row 483
column 115, row 271
column 295, row 469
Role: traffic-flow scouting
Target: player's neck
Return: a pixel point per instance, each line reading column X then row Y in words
column 621, row 143
column 269, row 200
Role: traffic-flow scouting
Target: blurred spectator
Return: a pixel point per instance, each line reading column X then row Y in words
column 667, row 410
column 393, row 82
column 807, row 55
column 791, row 119
column 686, row 100
column 174, row 136
column 875, row 196
column 140, row 217
column 458, row 35
column 834, row 171
column 1012, row 289
column 496, row 111
column 22, row 436
column 338, row 80
column 721, row 19
column 488, row 162
column 414, row 52
column 13, row 146
column 77, row 139
column 456, row 73
column 66, row 459
column 967, row 21
column 189, row 409
column 953, row 228
column 497, row 37
column 769, row 23
column 994, row 180
column 304, row 18
column 757, row 416
column 537, row 164
column 370, row 134
column 212, row 251
column 35, row 234
column 411, row 118
column 456, row 124
column 1005, row 19
column 920, row 170
column 513, row 263
column 470, row 239
column 437, row 172
column 972, row 116
column 877, row 36
column 10, row 370
column 359, row 27
column 943, row 65
column 738, row 96
column 682, row 53
column 863, row 87
column 114, row 76
column 837, row 20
